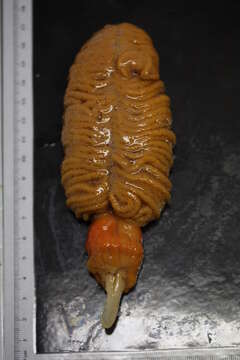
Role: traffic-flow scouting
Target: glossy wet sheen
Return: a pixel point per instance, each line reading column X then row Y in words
column 188, row 291
column 117, row 134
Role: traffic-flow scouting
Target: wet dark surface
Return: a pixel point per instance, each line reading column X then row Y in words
column 188, row 290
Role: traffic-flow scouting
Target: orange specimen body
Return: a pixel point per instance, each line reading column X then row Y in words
column 118, row 146
column 114, row 245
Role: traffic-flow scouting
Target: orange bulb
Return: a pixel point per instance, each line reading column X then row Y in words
column 114, row 245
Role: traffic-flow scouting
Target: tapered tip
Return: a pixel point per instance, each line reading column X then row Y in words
column 114, row 286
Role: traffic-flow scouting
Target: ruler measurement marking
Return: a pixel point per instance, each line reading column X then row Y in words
column 22, row 188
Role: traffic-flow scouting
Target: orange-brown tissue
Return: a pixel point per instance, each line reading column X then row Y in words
column 117, row 133
column 118, row 147
column 115, row 253
column 114, row 245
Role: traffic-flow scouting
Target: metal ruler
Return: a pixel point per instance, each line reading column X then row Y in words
column 17, row 179
column 17, row 331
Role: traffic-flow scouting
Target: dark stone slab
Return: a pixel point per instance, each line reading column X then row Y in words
column 188, row 290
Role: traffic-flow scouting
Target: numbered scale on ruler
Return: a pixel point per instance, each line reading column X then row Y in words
column 23, row 181
column 18, row 283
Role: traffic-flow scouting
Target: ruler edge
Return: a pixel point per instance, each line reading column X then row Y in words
column 1, row 183
column 8, row 176
column 1, row 199
column 9, row 118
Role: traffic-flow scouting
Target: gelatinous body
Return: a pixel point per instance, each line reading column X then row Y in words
column 116, row 135
column 118, row 152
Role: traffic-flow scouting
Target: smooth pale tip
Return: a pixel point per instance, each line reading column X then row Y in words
column 114, row 286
